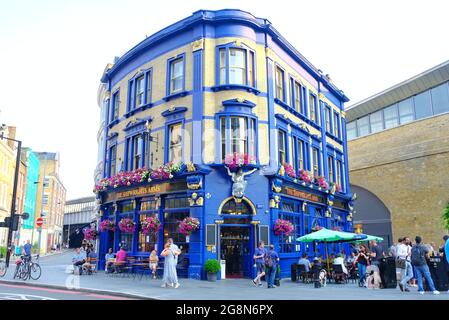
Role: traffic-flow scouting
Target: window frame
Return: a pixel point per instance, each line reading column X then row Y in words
column 170, row 62
column 115, row 105
column 336, row 125
column 313, row 97
column 282, row 131
column 251, row 138
column 168, row 125
column 276, row 84
column 250, row 54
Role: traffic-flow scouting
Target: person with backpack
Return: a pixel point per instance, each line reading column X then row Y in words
column 418, row 259
column 271, row 259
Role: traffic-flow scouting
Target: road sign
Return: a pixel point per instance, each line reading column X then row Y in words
column 39, row 222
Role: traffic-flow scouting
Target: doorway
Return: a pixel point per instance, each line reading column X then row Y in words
column 236, row 250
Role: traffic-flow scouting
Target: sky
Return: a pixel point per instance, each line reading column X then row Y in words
column 53, row 53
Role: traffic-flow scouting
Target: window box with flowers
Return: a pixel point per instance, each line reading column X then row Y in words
column 124, row 179
column 237, row 161
column 321, row 182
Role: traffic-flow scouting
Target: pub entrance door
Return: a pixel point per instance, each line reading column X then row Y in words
column 235, row 247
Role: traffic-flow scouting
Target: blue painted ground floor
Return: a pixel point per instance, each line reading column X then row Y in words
column 234, row 216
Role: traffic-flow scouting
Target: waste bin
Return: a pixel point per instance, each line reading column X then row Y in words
column 387, row 270
column 294, row 272
column 438, row 271
column 223, row 269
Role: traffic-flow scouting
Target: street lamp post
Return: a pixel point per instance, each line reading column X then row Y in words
column 14, row 194
column 42, row 205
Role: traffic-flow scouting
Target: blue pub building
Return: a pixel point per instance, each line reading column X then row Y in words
column 217, row 117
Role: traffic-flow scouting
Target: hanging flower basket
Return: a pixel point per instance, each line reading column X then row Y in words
column 150, row 225
column 189, row 225
column 283, row 227
column 90, row 233
column 238, row 160
column 127, row 225
column 107, row 225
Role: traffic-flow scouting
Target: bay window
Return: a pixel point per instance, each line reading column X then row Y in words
column 237, row 135
column 235, row 66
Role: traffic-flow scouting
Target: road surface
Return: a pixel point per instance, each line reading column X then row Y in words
column 26, row 292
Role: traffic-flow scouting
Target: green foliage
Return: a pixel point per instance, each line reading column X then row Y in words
column 3, row 252
column 212, row 266
column 445, row 217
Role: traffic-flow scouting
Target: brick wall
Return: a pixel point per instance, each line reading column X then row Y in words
column 407, row 167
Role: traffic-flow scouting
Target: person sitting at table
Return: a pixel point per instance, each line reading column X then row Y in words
column 120, row 257
column 154, row 259
column 79, row 259
column 350, row 259
column 305, row 262
column 339, row 261
column 110, row 259
column 91, row 260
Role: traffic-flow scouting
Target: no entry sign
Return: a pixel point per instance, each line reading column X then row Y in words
column 39, row 222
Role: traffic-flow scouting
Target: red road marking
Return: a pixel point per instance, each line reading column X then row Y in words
column 41, row 289
column 107, row 297
column 65, row 291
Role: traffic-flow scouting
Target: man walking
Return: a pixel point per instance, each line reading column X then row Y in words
column 403, row 254
column 377, row 253
column 271, row 261
column 258, row 256
column 418, row 259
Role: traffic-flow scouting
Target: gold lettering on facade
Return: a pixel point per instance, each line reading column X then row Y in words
column 139, row 192
column 303, row 195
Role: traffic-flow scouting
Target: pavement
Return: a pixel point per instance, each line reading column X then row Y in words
column 54, row 276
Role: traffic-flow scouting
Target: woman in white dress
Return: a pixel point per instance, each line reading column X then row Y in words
column 170, row 277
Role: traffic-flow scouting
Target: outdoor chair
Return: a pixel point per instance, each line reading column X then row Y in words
column 303, row 275
column 353, row 273
column 338, row 275
column 91, row 266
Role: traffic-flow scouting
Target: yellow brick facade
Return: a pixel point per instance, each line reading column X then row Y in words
column 407, row 168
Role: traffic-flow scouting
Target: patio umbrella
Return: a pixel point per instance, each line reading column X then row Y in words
column 369, row 238
column 326, row 235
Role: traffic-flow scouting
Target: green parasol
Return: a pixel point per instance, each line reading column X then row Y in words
column 369, row 238
column 326, row 235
